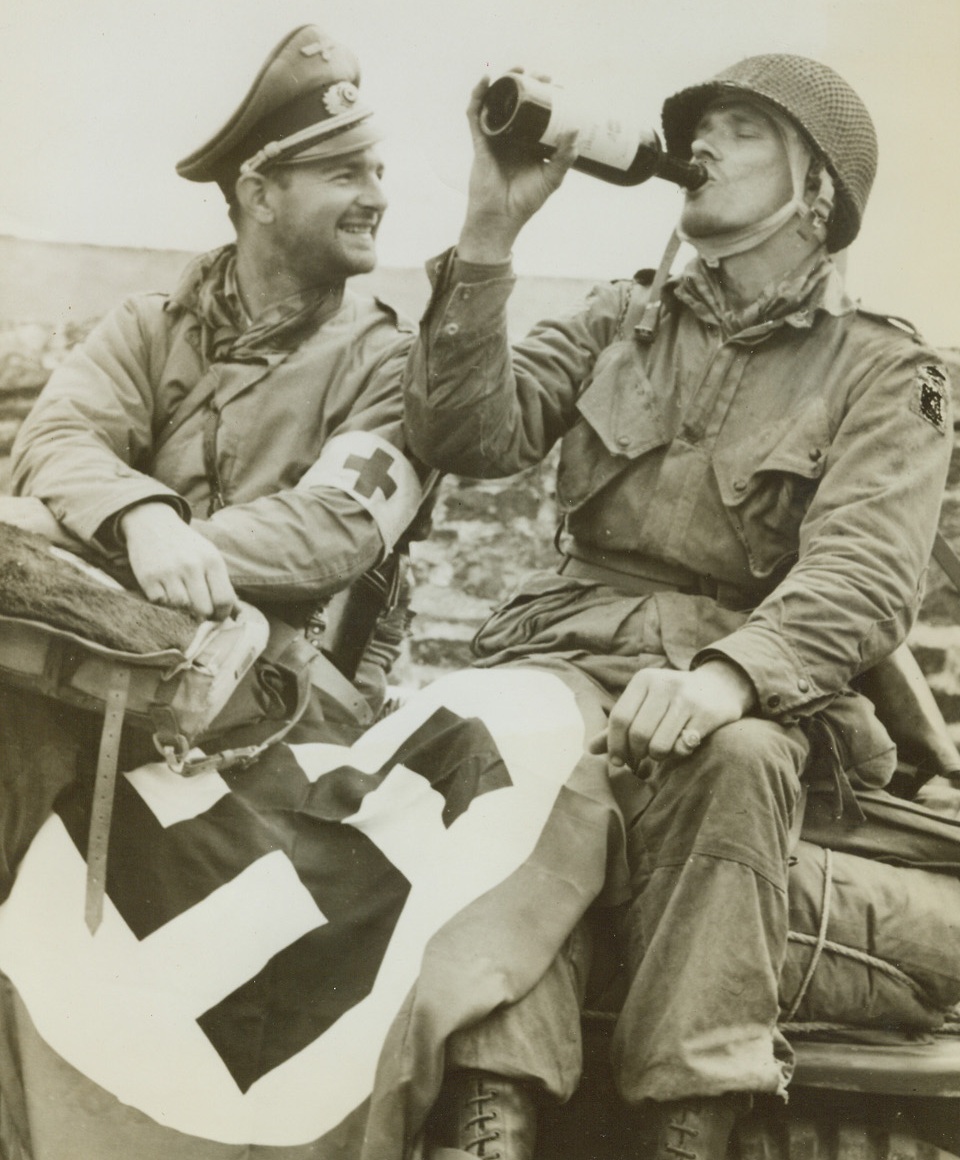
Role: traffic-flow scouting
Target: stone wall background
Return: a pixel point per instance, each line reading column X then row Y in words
column 487, row 535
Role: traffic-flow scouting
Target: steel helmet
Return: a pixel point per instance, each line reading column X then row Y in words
column 822, row 106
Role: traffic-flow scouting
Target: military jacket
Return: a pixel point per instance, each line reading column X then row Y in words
column 95, row 442
column 794, row 468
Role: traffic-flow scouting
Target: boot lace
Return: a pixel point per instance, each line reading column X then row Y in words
column 683, row 1130
column 479, row 1121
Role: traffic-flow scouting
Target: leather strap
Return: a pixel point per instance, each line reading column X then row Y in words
column 325, row 676
column 198, row 396
column 948, row 560
column 645, row 330
column 98, row 841
column 288, row 646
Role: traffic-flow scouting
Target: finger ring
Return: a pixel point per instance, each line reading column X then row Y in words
column 690, row 739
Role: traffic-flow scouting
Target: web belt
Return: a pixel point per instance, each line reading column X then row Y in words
column 636, row 575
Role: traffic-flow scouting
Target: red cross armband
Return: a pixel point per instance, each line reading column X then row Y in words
column 374, row 473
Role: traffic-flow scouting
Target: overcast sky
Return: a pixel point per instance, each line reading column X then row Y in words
column 100, row 98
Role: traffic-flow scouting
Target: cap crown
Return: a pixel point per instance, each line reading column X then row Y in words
column 819, row 102
column 286, row 98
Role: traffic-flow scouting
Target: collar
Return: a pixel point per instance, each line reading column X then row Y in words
column 209, row 289
column 794, row 300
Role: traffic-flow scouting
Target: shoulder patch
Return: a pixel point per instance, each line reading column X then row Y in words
column 929, row 396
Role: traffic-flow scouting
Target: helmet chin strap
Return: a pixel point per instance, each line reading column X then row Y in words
column 813, row 215
column 812, row 218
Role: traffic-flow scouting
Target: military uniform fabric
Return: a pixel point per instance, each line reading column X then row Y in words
column 767, row 486
column 88, row 447
column 97, row 442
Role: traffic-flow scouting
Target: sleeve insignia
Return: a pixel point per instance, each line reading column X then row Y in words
column 929, row 400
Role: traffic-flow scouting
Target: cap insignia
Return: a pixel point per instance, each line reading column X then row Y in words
column 340, row 98
column 315, row 47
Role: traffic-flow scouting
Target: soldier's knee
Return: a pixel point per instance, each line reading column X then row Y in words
column 756, row 750
column 754, row 738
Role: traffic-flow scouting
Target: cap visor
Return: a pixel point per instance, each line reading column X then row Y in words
column 336, row 144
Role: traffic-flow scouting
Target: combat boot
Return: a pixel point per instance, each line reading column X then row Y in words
column 694, row 1129
column 483, row 1115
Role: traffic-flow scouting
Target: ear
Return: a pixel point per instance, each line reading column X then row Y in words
column 818, row 194
column 253, row 197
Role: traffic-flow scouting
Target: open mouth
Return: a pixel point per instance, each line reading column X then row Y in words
column 359, row 229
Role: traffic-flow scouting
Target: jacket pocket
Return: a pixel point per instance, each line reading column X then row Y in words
column 767, row 481
column 622, row 417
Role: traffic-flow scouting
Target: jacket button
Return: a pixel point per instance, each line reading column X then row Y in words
column 773, row 701
column 803, row 685
column 451, row 328
column 623, row 440
column 739, row 485
column 815, row 454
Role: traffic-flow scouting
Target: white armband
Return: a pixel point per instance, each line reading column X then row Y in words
column 374, row 473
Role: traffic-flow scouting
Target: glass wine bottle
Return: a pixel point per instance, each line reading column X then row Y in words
column 528, row 115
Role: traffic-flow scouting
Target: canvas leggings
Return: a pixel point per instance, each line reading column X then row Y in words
column 703, row 936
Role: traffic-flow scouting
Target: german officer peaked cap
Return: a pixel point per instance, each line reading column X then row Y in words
column 303, row 105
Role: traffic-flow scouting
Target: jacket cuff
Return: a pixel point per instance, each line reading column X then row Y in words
column 108, row 536
column 447, row 269
column 785, row 689
column 466, row 295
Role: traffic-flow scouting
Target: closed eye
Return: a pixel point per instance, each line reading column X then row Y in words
column 740, row 122
column 749, row 124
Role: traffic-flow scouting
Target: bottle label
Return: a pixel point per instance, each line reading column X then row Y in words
column 605, row 137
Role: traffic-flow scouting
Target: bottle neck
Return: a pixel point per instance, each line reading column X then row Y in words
column 687, row 174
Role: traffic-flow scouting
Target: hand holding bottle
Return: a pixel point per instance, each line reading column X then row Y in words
column 506, row 189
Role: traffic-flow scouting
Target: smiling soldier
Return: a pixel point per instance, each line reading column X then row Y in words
column 242, row 435
column 750, row 476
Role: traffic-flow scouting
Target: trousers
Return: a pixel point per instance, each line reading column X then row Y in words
column 703, row 935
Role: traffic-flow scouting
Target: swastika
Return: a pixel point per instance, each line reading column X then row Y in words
column 373, row 473
column 158, row 873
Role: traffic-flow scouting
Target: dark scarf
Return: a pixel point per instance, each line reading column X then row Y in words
column 209, row 289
